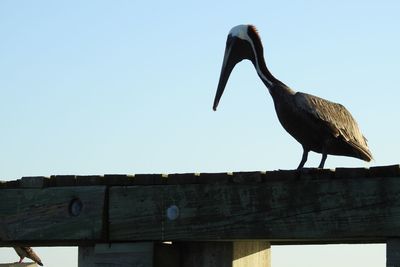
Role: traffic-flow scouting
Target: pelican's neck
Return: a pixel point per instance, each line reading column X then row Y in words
column 275, row 86
column 265, row 75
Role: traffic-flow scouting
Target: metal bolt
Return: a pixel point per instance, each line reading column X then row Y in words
column 173, row 212
column 75, row 207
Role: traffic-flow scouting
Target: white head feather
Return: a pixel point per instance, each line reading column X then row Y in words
column 240, row 31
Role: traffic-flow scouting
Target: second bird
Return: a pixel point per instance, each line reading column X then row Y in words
column 317, row 124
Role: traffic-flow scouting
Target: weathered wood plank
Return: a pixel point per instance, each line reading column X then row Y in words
column 202, row 178
column 135, row 213
column 51, row 214
column 385, row 171
column 310, row 206
column 62, row 180
column 119, row 179
column 82, row 180
column 122, row 255
column 351, row 173
column 300, row 210
column 34, row 182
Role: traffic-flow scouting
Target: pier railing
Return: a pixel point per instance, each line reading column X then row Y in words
column 202, row 219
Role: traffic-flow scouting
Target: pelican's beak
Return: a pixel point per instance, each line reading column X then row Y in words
column 235, row 51
column 227, row 66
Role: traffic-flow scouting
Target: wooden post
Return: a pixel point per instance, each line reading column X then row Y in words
column 166, row 255
column 251, row 253
column 206, row 254
column 393, row 252
column 117, row 254
column 225, row 254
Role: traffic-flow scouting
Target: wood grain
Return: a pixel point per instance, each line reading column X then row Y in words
column 301, row 210
column 312, row 206
column 44, row 214
column 122, row 255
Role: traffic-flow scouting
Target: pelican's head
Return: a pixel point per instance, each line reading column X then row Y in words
column 242, row 43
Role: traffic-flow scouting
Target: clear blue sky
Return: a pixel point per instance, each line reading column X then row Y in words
column 94, row 87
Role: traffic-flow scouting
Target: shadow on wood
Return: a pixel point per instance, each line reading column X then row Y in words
column 116, row 254
column 201, row 254
column 225, row 254
column 166, row 255
column 177, row 254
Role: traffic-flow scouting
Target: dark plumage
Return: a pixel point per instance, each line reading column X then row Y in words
column 317, row 124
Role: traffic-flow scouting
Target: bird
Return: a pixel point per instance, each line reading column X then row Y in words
column 28, row 253
column 318, row 124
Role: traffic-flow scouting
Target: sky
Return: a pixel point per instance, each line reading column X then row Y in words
column 97, row 87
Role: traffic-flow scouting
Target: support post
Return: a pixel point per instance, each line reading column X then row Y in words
column 117, row 254
column 251, row 253
column 225, row 254
column 166, row 255
column 202, row 254
column 393, row 252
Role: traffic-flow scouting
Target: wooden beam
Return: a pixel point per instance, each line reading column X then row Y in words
column 180, row 254
column 306, row 210
column 51, row 216
column 117, row 254
column 225, row 254
column 349, row 205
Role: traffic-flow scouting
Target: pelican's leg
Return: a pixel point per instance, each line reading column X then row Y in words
column 324, row 156
column 303, row 158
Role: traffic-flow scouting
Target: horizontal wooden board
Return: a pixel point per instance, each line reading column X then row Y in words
column 311, row 206
column 201, row 178
column 331, row 210
column 121, row 255
column 46, row 214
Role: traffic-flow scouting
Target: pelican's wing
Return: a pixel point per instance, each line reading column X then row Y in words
column 337, row 118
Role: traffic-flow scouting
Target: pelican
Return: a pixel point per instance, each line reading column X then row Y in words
column 317, row 124
column 28, row 253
